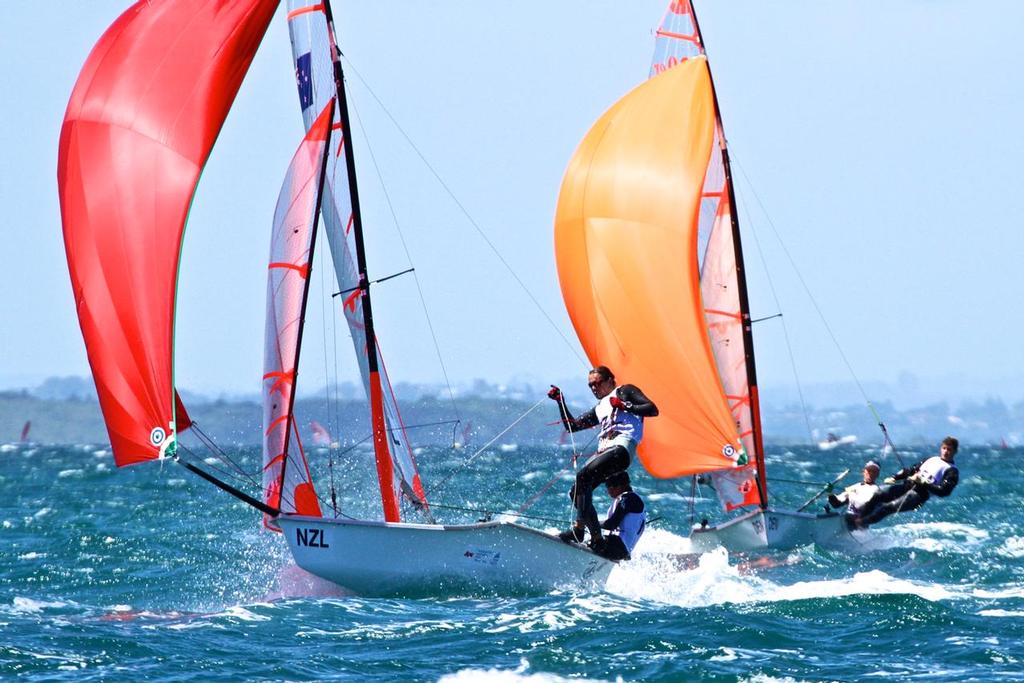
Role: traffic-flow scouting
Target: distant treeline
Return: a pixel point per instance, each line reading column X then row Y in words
column 475, row 420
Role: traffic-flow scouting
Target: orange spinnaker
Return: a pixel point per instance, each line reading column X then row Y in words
column 626, row 248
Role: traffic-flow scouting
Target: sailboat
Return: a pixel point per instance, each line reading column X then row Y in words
column 650, row 264
column 140, row 126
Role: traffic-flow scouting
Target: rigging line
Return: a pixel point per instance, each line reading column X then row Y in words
column 483, row 448
column 575, row 454
column 408, row 256
column 332, row 428
column 244, row 478
column 323, row 330
column 814, row 301
column 465, row 212
column 533, row 499
column 217, row 451
column 778, row 307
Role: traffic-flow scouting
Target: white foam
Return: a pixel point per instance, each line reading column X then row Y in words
column 31, row 556
column 1000, row 613
column 239, row 612
column 950, row 537
column 1012, row 547
column 29, row 606
column 64, row 474
column 517, row 675
column 687, row 580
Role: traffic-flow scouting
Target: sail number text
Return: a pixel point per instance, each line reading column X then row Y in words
column 313, row 538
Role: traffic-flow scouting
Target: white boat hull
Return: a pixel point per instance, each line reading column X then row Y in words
column 773, row 530
column 381, row 558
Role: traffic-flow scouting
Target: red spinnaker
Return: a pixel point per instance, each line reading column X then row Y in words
column 142, row 119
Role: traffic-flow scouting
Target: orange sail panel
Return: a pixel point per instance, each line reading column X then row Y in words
column 678, row 39
column 626, row 244
column 287, row 484
column 142, row 119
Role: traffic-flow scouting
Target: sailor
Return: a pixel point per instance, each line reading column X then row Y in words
column 626, row 518
column 911, row 487
column 856, row 496
column 620, row 412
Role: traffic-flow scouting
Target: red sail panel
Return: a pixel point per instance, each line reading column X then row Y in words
column 287, row 484
column 142, row 119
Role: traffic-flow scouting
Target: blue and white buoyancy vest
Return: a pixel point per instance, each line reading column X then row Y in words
column 631, row 528
column 935, row 468
column 618, row 422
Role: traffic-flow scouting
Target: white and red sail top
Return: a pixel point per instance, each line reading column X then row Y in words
column 287, row 484
column 313, row 44
column 140, row 124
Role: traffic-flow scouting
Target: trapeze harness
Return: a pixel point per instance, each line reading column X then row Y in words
column 618, row 427
column 857, row 496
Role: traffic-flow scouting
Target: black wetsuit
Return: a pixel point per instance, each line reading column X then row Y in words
column 906, row 495
column 603, row 463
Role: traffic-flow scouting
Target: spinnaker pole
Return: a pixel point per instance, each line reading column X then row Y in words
column 741, row 279
column 382, row 452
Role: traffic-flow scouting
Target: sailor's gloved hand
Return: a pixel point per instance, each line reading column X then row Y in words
column 554, row 393
column 834, row 501
column 618, row 403
column 889, row 480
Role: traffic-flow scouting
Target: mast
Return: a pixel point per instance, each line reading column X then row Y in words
column 741, row 279
column 305, row 300
column 382, row 453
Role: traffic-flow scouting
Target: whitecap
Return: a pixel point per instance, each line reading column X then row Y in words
column 517, row 675
column 64, row 474
column 690, row 580
column 31, row 556
column 1012, row 547
column 22, row 605
column 1000, row 613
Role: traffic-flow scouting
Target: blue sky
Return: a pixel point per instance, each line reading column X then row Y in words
column 884, row 139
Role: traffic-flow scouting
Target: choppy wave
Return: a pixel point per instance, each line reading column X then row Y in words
column 147, row 572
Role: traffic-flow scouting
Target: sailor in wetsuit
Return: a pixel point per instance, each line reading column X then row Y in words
column 857, row 496
column 620, row 412
column 911, row 487
column 626, row 518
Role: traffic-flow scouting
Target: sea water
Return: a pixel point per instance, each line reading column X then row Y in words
column 150, row 572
